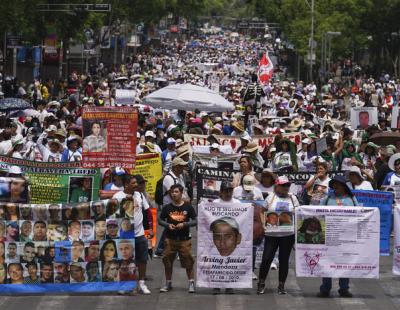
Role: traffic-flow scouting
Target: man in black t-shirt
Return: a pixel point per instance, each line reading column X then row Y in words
column 177, row 218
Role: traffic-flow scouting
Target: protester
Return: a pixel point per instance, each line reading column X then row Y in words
column 340, row 196
column 280, row 200
column 177, row 217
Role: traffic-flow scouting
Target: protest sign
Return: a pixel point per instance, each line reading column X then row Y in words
column 209, row 181
column 150, row 167
column 396, row 243
column 279, row 221
column 337, row 242
column 234, row 141
column 383, row 201
column 109, row 137
column 52, row 182
column 225, row 245
column 66, row 248
column 362, row 117
column 222, row 161
column 395, row 117
column 125, row 96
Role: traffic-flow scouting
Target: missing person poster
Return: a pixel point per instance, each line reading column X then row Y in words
column 396, row 243
column 225, row 245
column 209, row 181
column 337, row 242
column 82, row 247
column 150, row 167
column 280, row 220
column 109, row 137
column 383, row 201
column 44, row 182
column 362, row 117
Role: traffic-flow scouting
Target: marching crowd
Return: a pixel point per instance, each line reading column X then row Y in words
column 51, row 131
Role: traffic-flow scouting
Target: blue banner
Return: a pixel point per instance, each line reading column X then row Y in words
column 383, row 201
column 68, row 288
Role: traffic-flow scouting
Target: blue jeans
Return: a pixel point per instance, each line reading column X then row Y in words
column 327, row 284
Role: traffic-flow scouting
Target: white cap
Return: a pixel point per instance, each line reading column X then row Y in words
column 248, row 182
column 150, row 133
column 51, row 128
column 171, row 141
column 245, row 136
column 306, row 141
column 215, row 146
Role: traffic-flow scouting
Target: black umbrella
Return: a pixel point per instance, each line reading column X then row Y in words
column 9, row 104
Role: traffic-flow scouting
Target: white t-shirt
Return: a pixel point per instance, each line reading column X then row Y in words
column 365, row 185
column 265, row 190
column 5, row 147
column 240, row 193
column 169, row 180
column 138, row 214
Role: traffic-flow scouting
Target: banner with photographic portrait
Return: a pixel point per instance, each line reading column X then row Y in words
column 224, row 247
column 383, row 201
column 209, row 182
column 281, row 220
column 396, row 242
column 109, row 137
column 363, row 117
column 44, row 182
column 83, row 247
column 337, row 242
column 234, row 141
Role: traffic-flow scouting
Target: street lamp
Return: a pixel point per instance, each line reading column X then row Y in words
column 311, row 43
column 326, row 56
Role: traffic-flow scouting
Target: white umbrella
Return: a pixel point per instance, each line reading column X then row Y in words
column 188, row 97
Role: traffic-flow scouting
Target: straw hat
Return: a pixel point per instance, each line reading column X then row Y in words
column 238, row 125
column 251, row 147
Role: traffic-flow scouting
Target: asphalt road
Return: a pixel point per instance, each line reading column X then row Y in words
column 368, row 294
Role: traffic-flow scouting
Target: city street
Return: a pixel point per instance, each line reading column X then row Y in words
column 368, row 294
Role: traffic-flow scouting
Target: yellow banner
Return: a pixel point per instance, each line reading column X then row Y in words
column 150, row 167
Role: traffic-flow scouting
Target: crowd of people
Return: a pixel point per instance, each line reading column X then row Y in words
column 51, row 131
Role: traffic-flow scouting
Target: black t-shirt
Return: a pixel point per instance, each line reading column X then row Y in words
column 175, row 215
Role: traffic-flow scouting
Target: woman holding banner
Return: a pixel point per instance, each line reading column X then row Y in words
column 340, row 196
column 278, row 235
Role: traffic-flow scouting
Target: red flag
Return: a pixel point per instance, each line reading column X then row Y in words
column 265, row 69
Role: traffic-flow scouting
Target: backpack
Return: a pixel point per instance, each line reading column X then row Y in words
column 159, row 195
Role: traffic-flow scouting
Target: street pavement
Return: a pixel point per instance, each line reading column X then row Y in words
column 368, row 294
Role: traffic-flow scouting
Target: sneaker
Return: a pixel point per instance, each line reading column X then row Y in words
column 157, row 255
column 166, row 288
column 229, row 291
column 254, row 276
column 191, row 287
column 281, row 290
column 273, row 266
column 144, row 289
column 260, row 288
column 216, row 291
column 345, row 293
column 121, row 292
column 323, row 294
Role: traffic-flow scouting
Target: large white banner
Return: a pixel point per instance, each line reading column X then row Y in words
column 337, row 242
column 396, row 246
column 224, row 247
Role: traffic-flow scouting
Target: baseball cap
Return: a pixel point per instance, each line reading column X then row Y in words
column 171, row 141
column 149, row 133
column 51, row 128
column 112, row 222
column 282, row 180
column 227, row 220
column 119, row 171
column 248, row 183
